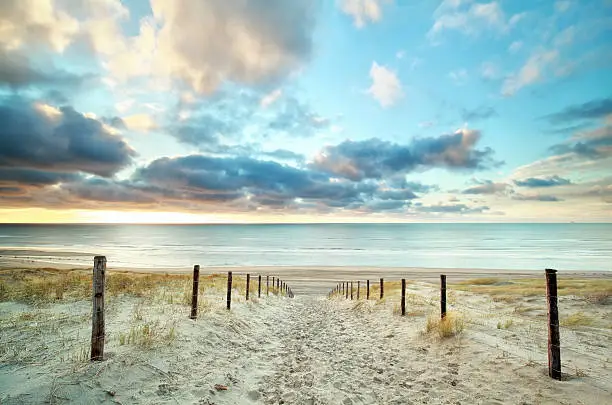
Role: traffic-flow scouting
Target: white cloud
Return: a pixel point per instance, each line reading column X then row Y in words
column 515, row 46
column 489, row 71
column 562, row 6
column 140, row 122
column 270, row 98
column 456, row 15
column 206, row 43
column 363, row 11
column 531, row 72
column 459, row 76
column 386, row 87
column 35, row 22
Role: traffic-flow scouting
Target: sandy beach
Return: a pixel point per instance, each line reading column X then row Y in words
column 307, row 350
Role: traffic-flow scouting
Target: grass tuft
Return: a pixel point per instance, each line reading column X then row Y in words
column 577, row 319
column 452, row 324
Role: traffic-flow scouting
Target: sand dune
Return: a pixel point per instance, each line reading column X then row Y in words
column 307, row 350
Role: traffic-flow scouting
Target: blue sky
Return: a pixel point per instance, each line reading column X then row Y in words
column 272, row 111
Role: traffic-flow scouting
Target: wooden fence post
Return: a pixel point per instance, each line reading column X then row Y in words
column 351, row 290
column 248, row 286
column 346, row 290
column 229, row 290
column 554, row 341
column 273, row 284
column 358, row 288
column 259, row 287
column 442, row 296
column 403, row 296
column 368, row 290
column 267, row 285
column 382, row 289
column 194, row 294
column 343, row 288
column 97, row 319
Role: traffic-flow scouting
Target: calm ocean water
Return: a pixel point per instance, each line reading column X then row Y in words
column 475, row 246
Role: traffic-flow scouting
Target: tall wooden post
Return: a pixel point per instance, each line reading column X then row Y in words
column 351, row 290
column 368, row 289
column 403, row 296
column 343, row 288
column 273, row 284
column 97, row 319
column 358, row 288
column 442, row 296
column 382, row 289
column 267, row 285
column 248, row 286
column 229, row 290
column 554, row 341
column 259, row 287
column 194, row 294
column 347, row 290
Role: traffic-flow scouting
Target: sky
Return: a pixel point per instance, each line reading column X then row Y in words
column 305, row 111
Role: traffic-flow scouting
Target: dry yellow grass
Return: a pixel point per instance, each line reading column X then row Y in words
column 599, row 289
column 451, row 325
column 577, row 319
column 47, row 284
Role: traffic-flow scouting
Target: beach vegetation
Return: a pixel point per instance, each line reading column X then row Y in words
column 577, row 319
column 505, row 325
column 451, row 325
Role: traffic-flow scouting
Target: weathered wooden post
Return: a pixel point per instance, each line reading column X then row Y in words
column 554, row 341
column 358, row 288
column 248, row 285
column 194, row 294
column 267, row 285
column 343, row 288
column 273, row 284
column 442, row 296
column 351, row 290
column 403, row 296
column 229, row 290
column 347, row 290
column 97, row 319
column 367, row 289
column 382, row 289
column 259, row 287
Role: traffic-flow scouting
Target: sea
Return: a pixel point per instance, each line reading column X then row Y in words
column 571, row 246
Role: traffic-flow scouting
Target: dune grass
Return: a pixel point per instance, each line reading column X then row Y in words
column 49, row 285
column 509, row 290
column 452, row 324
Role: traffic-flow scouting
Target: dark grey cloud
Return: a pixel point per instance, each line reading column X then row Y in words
column 590, row 110
column 62, row 140
column 376, row 159
column 486, row 187
column 596, row 144
column 17, row 71
column 478, row 114
column 33, row 177
column 535, row 182
column 536, row 197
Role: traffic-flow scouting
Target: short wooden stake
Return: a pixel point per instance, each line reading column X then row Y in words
column 267, row 285
column 442, row 296
column 259, row 287
column 248, row 286
column 346, row 290
column 229, row 290
column 351, row 290
column 358, row 288
column 194, row 294
column 403, row 296
column 554, row 341
column 273, row 284
column 97, row 319
column 382, row 289
column 367, row 289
